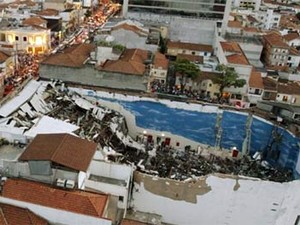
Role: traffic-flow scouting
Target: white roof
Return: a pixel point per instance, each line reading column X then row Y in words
column 50, row 125
column 223, row 201
column 23, row 96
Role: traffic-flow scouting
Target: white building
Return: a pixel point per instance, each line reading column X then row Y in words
column 293, row 60
column 268, row 18
column 247, row 4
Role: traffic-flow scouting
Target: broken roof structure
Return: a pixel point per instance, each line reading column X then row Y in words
column 64, row 149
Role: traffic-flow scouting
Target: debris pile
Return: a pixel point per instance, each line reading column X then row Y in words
column 108, row 128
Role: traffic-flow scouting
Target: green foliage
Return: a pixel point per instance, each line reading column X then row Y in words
column 162, row 45
column 119, row 48
column 104, row 43
column 187, row 69
column 298, row 15
column 228, row 78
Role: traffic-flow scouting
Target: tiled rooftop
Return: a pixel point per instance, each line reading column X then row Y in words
column 189, row 46
column 15, row 215
column 64, row 149
column 275, row 40
column 131, row 62
column 81, row 202
column 74, row 56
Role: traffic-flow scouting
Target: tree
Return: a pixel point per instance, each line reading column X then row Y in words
column 186, row 69
column 162, row 45
column 228, row 78
column 298, row 15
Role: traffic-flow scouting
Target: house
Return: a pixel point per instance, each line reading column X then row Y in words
column 159, row 68
column 255, row 88
column 232, row 55
column 54, row 22
column 71, row 19
column 32, row 39
column 11, row 214
column 208, row 85
column 35, row 21
column 268, row 18
column 133, row 35
column 276, row 51
column 175, row 48
column 288, row 93
column 76, row 64
column 50, row 157
column 197, row 59
column 292, row 39
column 270, row 89
column 132, row 61
column 293, row 58
column 247, row 4
column 57, row 205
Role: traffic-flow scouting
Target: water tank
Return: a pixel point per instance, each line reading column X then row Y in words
column 60, row 183
column 70, row 184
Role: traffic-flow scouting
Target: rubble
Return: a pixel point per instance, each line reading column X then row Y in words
column 108, row 128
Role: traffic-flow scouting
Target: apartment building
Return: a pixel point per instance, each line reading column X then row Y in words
column 247, row 4
column 31, row 39
column 276, row 51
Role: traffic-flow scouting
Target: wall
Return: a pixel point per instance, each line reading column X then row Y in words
column 56, row 216
column 219, row 200
column 189, row 31
column 132, row 40
column 252, row 51
column 89, row 76
column 116, row 171
column 21, row 169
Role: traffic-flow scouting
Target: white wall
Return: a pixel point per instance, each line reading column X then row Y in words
column 116, row 171
column 251, row 202
column 58, row 216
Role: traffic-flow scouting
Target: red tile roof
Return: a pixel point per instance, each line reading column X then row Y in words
column 234, row 54
column 15, row 215
column 131, row 62
column 275, row 40
column 75, row 201
column 189, row 46
column 291, row 36
column 74, row 56
column 269, row 84
column 251, row 19
column 294, row 51
column 64, row 149
column 160, row 60
column 38, row 21
column 3, row 57
column 234, row 24
column 251, row 29
column 291, row 88
column 132, row 222
column 48, row 12
column 256, row 80
column 192, row 58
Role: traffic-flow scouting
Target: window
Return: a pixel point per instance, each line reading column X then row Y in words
column 2, row 37
column 193, row 53
column 276, row 19
column 210, row 85
column 289, row 58
column 25, row 39
column 285, row 98
column 16, row 38
column 205, row 53
column 121, row 198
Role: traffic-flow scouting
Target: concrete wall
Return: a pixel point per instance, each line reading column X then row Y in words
column 132, row 40
column 252, row 51
column 191, row 30
column 88, row 75
column 55, row 216
column 21, row 169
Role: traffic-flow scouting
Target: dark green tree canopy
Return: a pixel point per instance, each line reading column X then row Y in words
column 228, row 78
column 186, row 69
